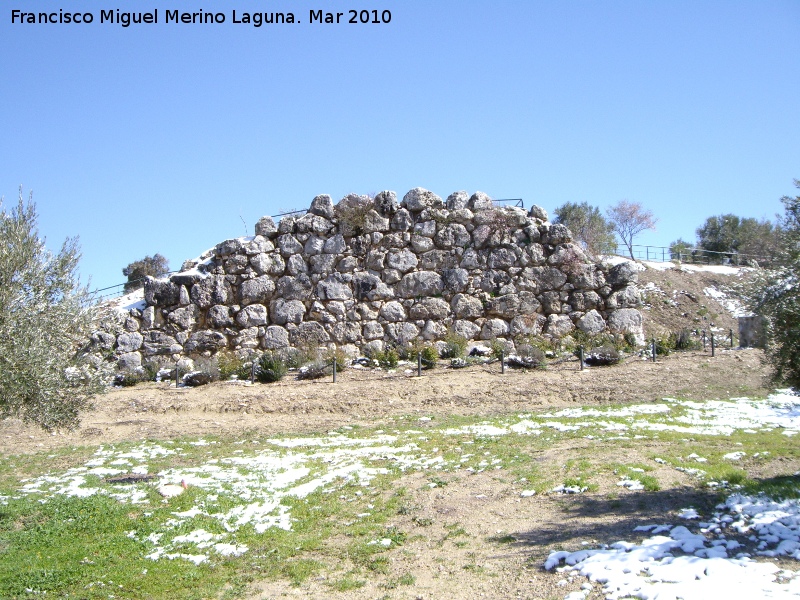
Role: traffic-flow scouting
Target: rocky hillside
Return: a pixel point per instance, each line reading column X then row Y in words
column 691, row 297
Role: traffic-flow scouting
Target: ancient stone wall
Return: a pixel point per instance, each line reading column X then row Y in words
column 373, row 271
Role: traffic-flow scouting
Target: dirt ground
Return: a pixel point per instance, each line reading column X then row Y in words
column 366, row 397
column 476, row 537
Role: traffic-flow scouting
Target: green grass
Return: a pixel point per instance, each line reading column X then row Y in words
column 83, row 547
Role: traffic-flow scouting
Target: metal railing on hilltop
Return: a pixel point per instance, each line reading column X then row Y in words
column 691, row 255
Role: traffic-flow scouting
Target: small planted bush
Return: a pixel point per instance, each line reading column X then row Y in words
column 197, row 378
column 455, row 345
column 527, row 357
column 315, row 370
column 388, row 358
column 602, row 356
column 430, row 356
column 129, row 378
column 683, row 340
column 229, row 365
column 338, row 356
column 270, row 368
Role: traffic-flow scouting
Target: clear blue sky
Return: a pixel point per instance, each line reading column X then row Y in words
column 162, row 138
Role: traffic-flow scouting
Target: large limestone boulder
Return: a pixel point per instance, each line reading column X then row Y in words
column 420, row 283
column 266, row 227
column 591, row 323
column 627, row 320
column 623, row 274
column 161, row 292
column 252, row 316
column 457, row 201
column 419, row 199
column 275, row 338
column 129, row 342
column 287, row 311
column 323, row 206
column 212, row 290
column 206, row 341
column 256, row 290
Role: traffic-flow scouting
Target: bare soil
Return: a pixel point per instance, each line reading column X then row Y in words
column 367, row 397
column 682, row 304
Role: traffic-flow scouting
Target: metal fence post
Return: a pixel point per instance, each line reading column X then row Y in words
column 176, row 374
column 654, row 349
column 580, row 355
column 704, row 340
column 334, row 370
column 731, row 338
column 712, row 343
column 419, row 364
column 502, row 361
column 253, row 372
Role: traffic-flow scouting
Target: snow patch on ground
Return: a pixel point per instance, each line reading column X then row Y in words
column 732, row 305
column 702, row 564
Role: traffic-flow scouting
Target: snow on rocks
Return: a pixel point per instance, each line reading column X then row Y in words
column 633, row 485
column 697, row 566
column 732, row 305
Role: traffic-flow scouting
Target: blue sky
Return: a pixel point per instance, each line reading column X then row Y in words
column 163, row 138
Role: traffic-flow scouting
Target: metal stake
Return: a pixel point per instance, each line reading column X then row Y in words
column 176, row 375
column 580, row 355
column 502, row 361
column 334, row 370
column 704, row 340
column 253, row 372
column 712, row 343
column 419, row 364
column 654, row 349
column 731, row 338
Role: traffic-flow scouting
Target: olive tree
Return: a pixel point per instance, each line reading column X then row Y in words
column 775, row 295
column 588, row 225
column 136, row 272
column 45, row 316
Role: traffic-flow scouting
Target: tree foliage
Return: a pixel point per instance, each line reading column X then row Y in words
column 45, row 315
column 731, row 234
column 629, row 219
column 775, row 295
column 588, row 225
column 679, row 248
column 153, row 266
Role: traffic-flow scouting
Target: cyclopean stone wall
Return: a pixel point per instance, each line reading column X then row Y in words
column 367, row 272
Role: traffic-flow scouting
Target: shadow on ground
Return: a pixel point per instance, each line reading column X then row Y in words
column 596, row 519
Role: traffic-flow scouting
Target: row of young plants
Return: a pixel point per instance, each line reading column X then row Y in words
column 529, row 352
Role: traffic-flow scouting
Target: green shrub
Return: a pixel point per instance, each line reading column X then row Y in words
column 665, row 345
column 149, row 371
column 230, row 364
column 337, row 355
column 316, row 369
column 430, row 356
column 602, row 356
column 499, row 347
column 455, row 345
column 527, row 357
column 387, row 358
column 270, row 368
column 129, row 378
column 683, row 340
column 301, row 355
